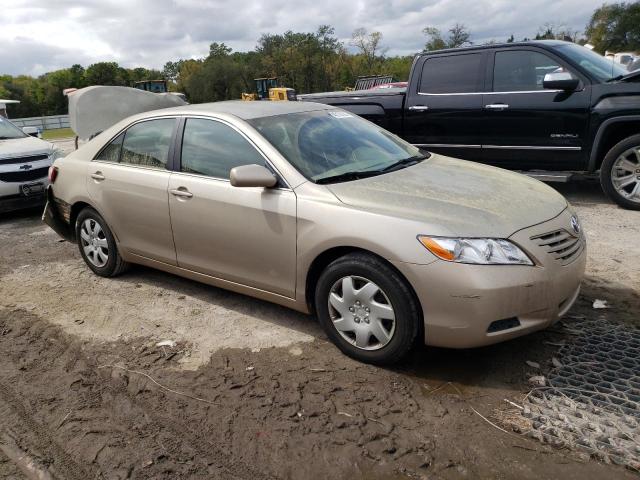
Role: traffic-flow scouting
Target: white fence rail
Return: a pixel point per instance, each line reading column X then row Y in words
column 43, row 123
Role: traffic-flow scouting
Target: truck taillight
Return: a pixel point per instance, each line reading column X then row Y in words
column 53, row 174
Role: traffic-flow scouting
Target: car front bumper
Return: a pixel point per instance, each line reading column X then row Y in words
column 22, row 195
column 468, row 306
column 11, row 203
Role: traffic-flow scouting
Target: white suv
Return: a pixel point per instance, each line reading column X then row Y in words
column 24, row 164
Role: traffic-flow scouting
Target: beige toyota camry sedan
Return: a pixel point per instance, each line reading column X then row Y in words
column 311, row 207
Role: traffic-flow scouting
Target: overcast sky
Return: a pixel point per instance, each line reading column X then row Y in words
column 42, row 35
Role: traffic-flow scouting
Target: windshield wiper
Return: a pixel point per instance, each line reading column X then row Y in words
column 405, row 162
column 348, row 176
column 355, row 175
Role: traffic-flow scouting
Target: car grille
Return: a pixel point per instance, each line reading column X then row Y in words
column 561, row 245
column 24, row 176
column 30, row 158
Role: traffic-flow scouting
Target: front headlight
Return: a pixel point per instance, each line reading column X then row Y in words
column 481, row 251
column 55, row 154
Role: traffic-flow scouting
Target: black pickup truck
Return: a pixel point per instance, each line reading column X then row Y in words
column 551, row 109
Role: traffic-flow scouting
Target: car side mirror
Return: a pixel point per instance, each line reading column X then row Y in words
column 560, row 81
column 32, row 131
column 252, row 176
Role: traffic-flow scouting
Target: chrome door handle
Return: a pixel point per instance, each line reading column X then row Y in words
column 97, row 176
column 418, row 108
column 496, row 106
column 181, row 193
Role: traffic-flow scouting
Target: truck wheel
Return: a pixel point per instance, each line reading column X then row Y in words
column 367, row 309
column 97, row 245
column 620, row 173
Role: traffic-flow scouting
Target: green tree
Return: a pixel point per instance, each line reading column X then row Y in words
column 458, row 36
column 369, row 47
column 615, row 27
column 106, row 73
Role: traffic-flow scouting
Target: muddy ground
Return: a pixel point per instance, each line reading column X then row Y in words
column 253, row 390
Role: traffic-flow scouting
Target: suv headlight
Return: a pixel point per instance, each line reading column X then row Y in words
column 55, row 154
column 480, row 251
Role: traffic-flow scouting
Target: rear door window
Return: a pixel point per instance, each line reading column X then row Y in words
column 452, row 74
column 147, row 143
column 111, row 153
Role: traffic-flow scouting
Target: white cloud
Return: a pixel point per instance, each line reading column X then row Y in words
column 42, row 35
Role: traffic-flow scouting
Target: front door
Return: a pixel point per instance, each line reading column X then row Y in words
column 243, row 235
column 443, row 110
column 128, row 181
column 527, row 126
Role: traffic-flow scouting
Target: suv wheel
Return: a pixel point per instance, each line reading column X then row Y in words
column 97, row 245
column 620, row 173
column 367, row 309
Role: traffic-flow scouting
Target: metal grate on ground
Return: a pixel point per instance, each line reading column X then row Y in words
column 591, row 401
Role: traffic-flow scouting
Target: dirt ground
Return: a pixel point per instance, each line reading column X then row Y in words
column 252, row 390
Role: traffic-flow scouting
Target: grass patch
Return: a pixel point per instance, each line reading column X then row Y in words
column 57, row 134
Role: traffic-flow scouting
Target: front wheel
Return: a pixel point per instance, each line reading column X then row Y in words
column 620, row 173
column 367, row 309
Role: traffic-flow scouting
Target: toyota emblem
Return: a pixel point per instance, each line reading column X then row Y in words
column 575, row 224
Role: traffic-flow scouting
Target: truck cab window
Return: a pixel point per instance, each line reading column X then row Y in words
column 452, row 74
column 522, row 70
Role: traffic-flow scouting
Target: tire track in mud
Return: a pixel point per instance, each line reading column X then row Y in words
column 96, row 415
column 47, row 457
column 206, row 448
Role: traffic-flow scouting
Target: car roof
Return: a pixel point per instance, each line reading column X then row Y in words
column 246, row 110
column 528, row 43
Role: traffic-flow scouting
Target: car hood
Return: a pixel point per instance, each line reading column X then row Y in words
column 632, row 76
column 456, row 198
column 20, row 147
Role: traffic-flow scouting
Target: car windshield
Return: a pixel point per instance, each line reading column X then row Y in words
column 9, row 131
column 602, row 68
column 334, row 144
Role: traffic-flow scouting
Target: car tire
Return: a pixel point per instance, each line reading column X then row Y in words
column 97, row 245
column 352, row 310
column 614, row 168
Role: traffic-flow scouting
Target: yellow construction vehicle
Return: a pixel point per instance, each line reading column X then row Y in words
column 268, row 89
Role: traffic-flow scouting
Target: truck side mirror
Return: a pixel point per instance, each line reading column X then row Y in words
column 560, row 81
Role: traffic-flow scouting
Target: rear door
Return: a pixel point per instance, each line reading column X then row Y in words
column 527, row 126
column 128, row 183
column 443, row 108
column 243, row 235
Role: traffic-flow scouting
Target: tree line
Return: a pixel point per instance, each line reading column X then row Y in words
column 307, row 61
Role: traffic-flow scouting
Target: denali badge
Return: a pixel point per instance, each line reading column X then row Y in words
column 575, row 224
column 564, row 135
column 25, row 167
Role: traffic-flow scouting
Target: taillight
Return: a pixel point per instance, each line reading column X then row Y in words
column 53, row 174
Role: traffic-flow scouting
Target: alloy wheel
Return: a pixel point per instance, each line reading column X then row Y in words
column 94, row 243
column 625, row 174
column 361, row 313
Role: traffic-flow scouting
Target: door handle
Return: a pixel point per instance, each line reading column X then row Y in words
column 496, row 106
column 98, row 176
column 181, row 192
column 418, row 108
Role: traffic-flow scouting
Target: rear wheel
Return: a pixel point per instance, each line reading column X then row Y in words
column 97, row 245
column 620, row 173
column 367, row 309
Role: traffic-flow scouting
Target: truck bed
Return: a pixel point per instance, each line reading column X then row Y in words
column 382, row 106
